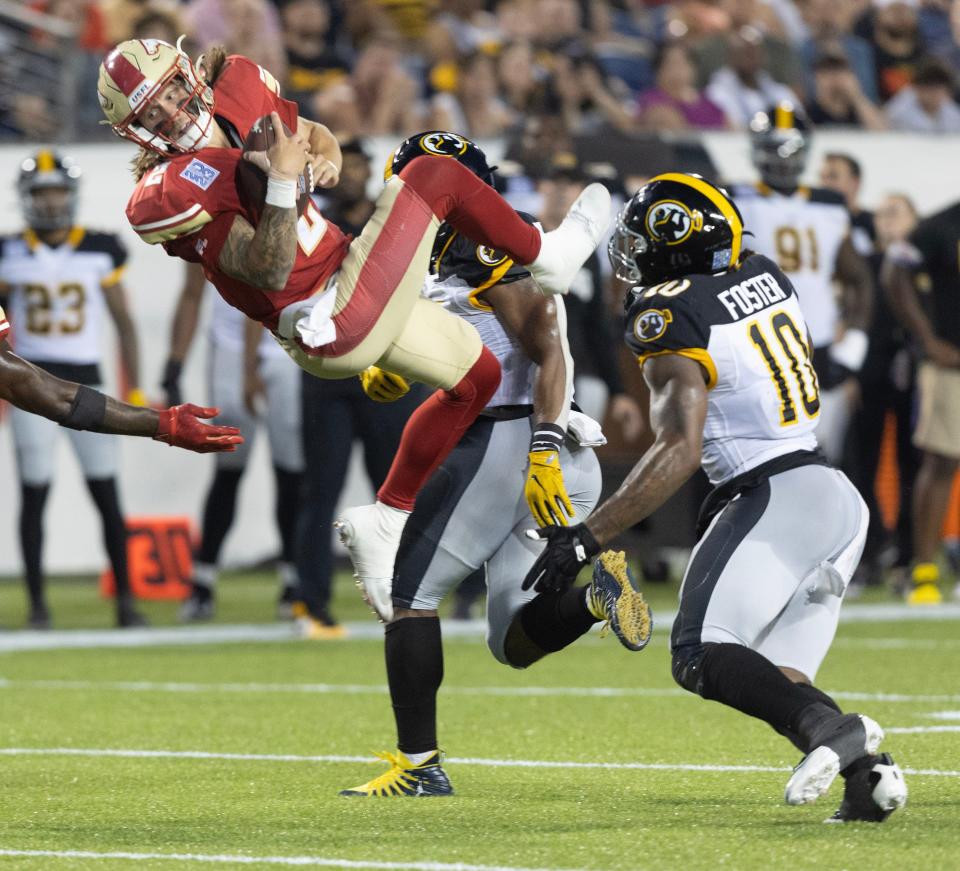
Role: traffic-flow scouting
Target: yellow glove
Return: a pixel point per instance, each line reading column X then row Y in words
column 137, row 397
column 544, row 490
column 383, row 386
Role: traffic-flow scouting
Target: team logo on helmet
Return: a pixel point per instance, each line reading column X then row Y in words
column 672, row 222
column 652, row 324
column 443, row 144
column 490, row 256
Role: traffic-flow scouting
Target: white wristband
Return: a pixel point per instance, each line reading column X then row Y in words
column 281, row 193
column 851, row 349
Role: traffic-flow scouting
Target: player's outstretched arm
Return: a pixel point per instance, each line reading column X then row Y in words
column 263, row 257
column 78, row 407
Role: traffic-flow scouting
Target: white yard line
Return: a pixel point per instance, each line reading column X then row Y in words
column 365, row 630
column 453, row 760
column 297, row 861
column 144, row 686
column 919, row 730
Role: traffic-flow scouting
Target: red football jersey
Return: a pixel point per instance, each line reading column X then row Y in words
column 4, row 324
column 189, row 203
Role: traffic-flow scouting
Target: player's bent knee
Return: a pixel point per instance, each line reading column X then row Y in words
column 687, row 667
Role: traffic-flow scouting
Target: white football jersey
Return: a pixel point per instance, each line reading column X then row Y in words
column 747, row 331
column 802, row 233
column 55, row 295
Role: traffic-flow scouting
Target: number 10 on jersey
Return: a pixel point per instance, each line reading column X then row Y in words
column 798, row 376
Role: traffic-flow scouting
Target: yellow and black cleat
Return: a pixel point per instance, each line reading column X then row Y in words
column 926, row 585
column 403, row 778
column 614, row 598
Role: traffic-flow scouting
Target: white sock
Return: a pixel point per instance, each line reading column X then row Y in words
column 204, row 575
column 287, row 573
column 419, row 758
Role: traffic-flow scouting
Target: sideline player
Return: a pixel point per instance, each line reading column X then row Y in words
column 244, row 363
column 724, row 349
column 336, row 306
column 806, row 232
column 59, row 280
column 473, row 512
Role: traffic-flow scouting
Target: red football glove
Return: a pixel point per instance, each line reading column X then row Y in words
column 180, row 427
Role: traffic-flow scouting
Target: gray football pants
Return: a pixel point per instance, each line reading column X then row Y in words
column 472, row 513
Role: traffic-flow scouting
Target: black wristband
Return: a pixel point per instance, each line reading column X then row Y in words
column 88, row 410
column 171, row 372
column 546, row 437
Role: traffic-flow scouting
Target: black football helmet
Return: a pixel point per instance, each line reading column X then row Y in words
column 439, row 143
column 779, row 143
column 47, row 169
column 677, row 224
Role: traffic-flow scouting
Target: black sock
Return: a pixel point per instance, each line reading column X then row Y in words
column 218, row 513
column 104, row 493
column 814, row 695
column 744, row 679
column 554, row 620
column 32, row 501
column 286, row 510
column 414, row 653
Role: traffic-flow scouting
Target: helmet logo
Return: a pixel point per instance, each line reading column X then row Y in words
column 490, row 256
column 137, row 96
column 652, row 324
column 672, row 222
column 443, row 144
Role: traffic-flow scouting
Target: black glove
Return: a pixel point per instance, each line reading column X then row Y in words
column 569, row 549
column 171, row 382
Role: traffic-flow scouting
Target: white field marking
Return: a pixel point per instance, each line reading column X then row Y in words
column 298, row 861
column 368, row 630
column 898, row 643
column 919, row 730
column 943, row 715
column 452, row 760
column 378, row 689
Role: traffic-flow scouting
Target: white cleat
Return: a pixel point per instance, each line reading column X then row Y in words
column 564, row 250
column 820, row 767
column 372, row 535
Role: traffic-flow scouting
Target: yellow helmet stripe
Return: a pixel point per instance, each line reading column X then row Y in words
column 45, row 161
column 783, row 116
column 719, row 200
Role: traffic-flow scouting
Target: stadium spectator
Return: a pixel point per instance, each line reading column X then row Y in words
column 584, row 97
column 521, row 79
column 160, row 23
column 314, row 67
column 474, row 108
column 829, row 31
column 928, row 264
column 926, row 105
column 744, row 86
column 121, row 17
column 842, row 173
column 675, row 103
column 247, row 27
column 838, row 99
column 944, row 40
column 891, row 27
column 886, row 388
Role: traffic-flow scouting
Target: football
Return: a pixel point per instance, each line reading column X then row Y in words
column 251, row 181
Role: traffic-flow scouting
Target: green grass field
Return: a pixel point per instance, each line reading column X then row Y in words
column 588, row 760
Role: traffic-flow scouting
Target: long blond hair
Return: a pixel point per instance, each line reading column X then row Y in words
column 209, row 65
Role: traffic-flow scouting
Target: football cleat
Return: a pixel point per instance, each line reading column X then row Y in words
column 613, row 597
column 872, row 792
column 39, row 617
column 564, row 250
column 198, row 607
column 403, row 778
column 371, row 533
column 926, row 585
column 842, row 741
column 286, row 603
column 128, row 617
column 320, row 628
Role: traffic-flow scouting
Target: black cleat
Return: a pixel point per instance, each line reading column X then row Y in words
column 406, row 779
column 873, row 791
column 198, row 606
column 128, row 617
column 39, row 617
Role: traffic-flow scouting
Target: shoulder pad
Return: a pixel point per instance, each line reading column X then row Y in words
column 181, row 195
column 108, row 243
column 825, row 196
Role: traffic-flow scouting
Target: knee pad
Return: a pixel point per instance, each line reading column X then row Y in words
column 687, row 667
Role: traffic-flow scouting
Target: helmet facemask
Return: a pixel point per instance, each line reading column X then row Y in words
column 622, row 249
column 780, row 157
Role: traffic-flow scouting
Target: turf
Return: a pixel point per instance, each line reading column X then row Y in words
column 504, row 816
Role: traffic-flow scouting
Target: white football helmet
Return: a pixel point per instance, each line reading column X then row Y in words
column 134, row 74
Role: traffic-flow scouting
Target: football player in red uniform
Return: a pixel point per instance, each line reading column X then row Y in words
column 336, row 306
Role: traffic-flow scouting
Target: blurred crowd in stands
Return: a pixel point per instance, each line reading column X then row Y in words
column 484, row 67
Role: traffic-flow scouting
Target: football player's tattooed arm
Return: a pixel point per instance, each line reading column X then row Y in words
column 116, row 300
column 262, row 258
column 678, row 408
column 853, row 273
column 899, row 283
column 532, row 318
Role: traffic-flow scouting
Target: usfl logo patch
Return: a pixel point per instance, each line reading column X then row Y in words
column 199, row 173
